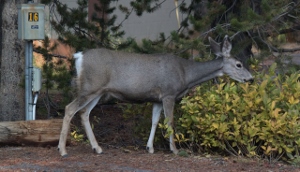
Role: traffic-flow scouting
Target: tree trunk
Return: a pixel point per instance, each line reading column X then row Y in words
column 32, row 133
column 11, row 64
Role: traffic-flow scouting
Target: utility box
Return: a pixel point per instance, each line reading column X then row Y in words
column 31, row 23
column 36, row 79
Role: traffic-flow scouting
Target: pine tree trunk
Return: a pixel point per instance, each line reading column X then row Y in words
column 11, row 64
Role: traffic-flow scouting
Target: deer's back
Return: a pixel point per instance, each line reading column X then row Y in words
column 131, row 75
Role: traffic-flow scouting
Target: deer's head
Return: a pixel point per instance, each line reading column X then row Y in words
column 231, row 66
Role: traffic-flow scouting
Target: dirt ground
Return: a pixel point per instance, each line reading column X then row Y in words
column 82, row 159
column 122, row 153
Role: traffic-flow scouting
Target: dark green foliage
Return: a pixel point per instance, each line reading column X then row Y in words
column 250, row 21
column 141, row 6
column 56, row 73
column 75, row 30
column 256, row 23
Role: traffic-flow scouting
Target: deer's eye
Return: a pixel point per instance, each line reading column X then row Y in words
column 239, row 65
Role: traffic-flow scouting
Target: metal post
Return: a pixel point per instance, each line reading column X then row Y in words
column 30, row 110
column 28, row 80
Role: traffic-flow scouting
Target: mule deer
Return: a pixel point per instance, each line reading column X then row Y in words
column 161, row 79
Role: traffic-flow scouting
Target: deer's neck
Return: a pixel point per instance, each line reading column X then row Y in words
column 199, row 72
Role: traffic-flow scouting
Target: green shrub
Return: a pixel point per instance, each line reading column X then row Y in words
column 259, row 119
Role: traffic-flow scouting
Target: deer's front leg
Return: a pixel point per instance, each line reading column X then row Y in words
column 168, row 105
column 155, row 118
column 75, row 106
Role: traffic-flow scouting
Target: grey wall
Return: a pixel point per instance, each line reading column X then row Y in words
column 148, row 25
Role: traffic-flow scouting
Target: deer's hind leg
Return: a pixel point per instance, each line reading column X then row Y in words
column 70, row 110
column 85, row 113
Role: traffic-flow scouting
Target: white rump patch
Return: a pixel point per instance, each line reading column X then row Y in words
column 78, row 62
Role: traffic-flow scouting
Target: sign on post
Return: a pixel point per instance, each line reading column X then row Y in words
column 31, row 21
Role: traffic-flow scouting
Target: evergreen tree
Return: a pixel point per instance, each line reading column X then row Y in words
column 248, row 22
column 255, row 22
column 75, row 30
column 57, row 74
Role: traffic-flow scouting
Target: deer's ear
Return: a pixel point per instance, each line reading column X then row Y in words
column 215, row 47
column 226, row 47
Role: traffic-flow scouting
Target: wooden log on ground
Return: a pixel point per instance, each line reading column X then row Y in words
column 31, row 133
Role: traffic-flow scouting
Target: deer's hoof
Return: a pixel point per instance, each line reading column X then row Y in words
column 98, row 150
column 62, row 152
column 175, row 151
column 64, row 156
column 150, row 149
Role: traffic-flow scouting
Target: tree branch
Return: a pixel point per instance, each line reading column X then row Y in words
column 293, row 6
column 52, row 55
column 290, row 30
column 277, row 50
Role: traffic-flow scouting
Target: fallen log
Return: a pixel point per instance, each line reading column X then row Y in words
column 31, row 133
